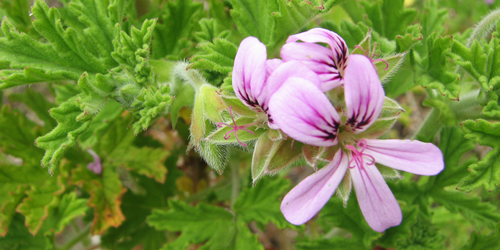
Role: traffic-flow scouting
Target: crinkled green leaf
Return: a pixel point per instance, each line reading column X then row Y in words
column 389, row 17
column 395, row 234
column 19, row 231
column 40, row 198
column 56, row 142
column 273, row 21
column 220, row 229
column 218, row 55
column 136, row 207
column 411, row 37
column 453, row 145
column 479, row 241
column 261, row 203
column 435, row 73
column 479, row 213
column 335, row 243
column 105, row 191
column 100, row 123
column 17, row 136
column 177, row 21
column 210, row 30
column 486, row 172
column 349, row 218
column 69, row 208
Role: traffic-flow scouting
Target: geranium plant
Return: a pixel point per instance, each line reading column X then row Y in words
column 249, row 124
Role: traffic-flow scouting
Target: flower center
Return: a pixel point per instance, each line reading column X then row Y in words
column 357, row 155
column 235, row 128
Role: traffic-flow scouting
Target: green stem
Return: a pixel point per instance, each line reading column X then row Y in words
column 80, row 236
column 429, row 128
column 235, row 181
column 485, row 26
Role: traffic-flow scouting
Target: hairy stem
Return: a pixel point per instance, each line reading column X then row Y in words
column 485, row 26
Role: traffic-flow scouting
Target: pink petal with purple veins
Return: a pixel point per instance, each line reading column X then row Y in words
column 272, row 65
column 364, row 95
column 303, row 112
column 249, row 71
column 312, row 193
column 319, row 35
column 411, row 156
column 377, row 203
column 317, row 58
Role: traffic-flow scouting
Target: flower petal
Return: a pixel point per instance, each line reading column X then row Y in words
column 364, row 95
column 312, row 193
column 377, row 203
column 249, row 71
column 272, row 65
column 317, row 58
column 319, row 35
column 303, row 112
column 411, row 156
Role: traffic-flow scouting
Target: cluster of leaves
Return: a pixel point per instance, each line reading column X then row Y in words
column 108, row 81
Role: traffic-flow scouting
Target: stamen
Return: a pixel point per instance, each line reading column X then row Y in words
column 235, row 128
column 357, row 155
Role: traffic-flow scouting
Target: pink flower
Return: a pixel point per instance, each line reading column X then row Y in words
column 304, row 112
column 328, row 63
column 255, row 79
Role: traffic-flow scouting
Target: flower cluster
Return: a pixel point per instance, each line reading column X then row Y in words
column 322, row 96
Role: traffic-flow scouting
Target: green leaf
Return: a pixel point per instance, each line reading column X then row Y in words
column 38, row 104
column 261, row 203
column 255, row 18
column 453, row 145
column 56, row 142
column 479, row 213
column 479, row 241
column 349, row 218
column 210, row 30
column 105, row 191
column 218, row 55
column 389, row 17
column 19, row 231
column 273, row 21
column 411, row 37
column 69, row 208
column 35, row 207
column 220, row 230
column 154, row 105
column 137, row 206
column 335, row 243
column 435, row 74
column 146, row 161
column 177, row 22
column 486, row 172
column 100, row 124
column 395, row 234
column 18, row 13
column 100, row 30
column 17, row 136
